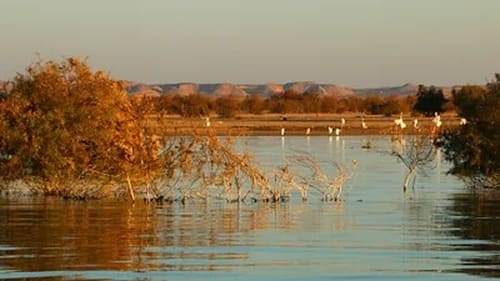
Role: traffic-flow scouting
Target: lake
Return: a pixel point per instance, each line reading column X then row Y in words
column 440, row 230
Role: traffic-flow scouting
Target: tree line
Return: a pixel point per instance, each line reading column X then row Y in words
column 427, row 101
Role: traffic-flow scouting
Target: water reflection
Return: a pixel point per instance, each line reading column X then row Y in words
column 438, row 232
column 50, row 234
column 51, row 237
column 62, row 235
column 475, row 218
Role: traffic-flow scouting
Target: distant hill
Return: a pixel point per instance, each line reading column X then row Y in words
column 404, row 90
column 320, row 89
column 238, row 90
column 267, row 90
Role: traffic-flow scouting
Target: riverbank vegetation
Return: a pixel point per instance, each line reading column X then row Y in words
column 63, row 126
column 71, row 132
column 68, row 131
column 474, row 148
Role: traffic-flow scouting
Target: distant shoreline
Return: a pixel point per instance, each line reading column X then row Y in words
column 297, row 124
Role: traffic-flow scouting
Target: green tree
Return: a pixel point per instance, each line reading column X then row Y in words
column 429, row 100
column 474, row 148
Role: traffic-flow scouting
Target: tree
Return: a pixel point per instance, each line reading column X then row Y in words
column 288, row 102
column 469, row 100
column 68, row 131
column 226, row 107
column 429, row 100
column 474, row 148
column 193, row 105
column 311, row 102
column 253, row 104
column 372, row 104
column 329, row 104
column 417, row 153
column 62, row 123
column 391, row 106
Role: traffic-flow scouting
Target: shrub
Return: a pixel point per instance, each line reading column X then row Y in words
column 429, row 100
column 474, row 148
column 61, row 122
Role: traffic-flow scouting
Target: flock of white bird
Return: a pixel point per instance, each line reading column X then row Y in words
column 398, row 122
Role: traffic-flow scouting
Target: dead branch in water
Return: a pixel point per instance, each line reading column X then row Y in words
column 208, row 167
column 330, row 188
column 416, row 152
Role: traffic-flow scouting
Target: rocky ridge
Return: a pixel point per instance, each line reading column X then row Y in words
column 266, row 90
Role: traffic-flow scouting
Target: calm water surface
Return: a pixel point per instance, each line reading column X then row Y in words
column 440, row 231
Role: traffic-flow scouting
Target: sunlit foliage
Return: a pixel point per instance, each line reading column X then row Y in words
column 62, row 123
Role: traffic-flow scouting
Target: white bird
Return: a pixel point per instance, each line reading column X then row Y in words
column 463, row 121
column 415, row 123
column 207, row 121
column 437, row 120
column 282, row 131
column 337, row 131
column 436, row 117
column 363, row 124
column 308, row 131
column 438, row 123
column 400, row 122
column 330, row 130
column 342, row 121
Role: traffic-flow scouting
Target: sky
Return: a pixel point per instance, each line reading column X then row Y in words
column 356, row 43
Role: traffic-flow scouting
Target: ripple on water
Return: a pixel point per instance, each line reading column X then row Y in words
column 438, row 231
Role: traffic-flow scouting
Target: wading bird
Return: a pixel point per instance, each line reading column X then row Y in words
column 437, row 120
column 400, row 122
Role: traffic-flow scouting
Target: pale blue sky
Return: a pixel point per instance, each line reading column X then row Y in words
column 359, row 43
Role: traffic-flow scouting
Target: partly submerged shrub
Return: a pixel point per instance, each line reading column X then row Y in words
column 61, row 122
